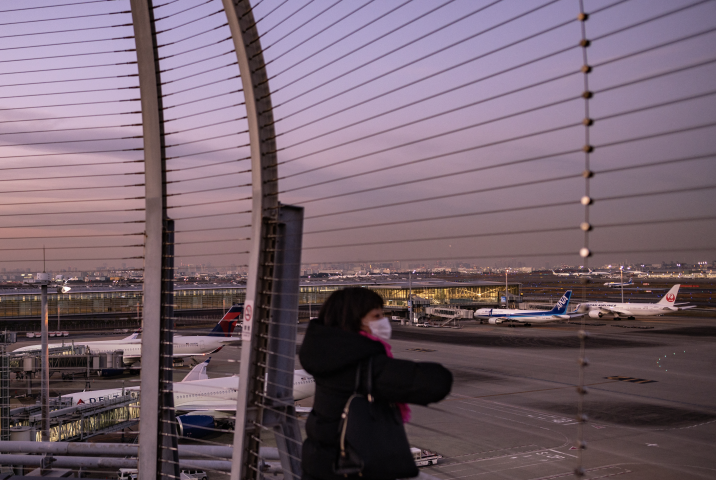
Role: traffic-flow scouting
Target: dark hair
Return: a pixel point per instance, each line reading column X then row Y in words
column 346, row 308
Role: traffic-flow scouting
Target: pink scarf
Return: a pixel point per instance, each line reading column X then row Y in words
column 403, row 407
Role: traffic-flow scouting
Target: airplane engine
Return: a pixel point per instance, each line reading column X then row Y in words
column 494, row 321
column 595, row 314
column 195, row 426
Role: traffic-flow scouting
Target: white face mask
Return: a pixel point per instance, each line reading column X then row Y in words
column 381, row 328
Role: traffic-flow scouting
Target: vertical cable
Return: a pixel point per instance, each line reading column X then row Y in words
column 585, row 253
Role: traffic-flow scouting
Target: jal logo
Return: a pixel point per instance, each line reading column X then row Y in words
column 670, row 298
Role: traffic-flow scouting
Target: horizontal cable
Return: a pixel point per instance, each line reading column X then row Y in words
column 432, row 137
column 192, row 36
column 58, row 5
column 215, row 189
column 70, row 93
column 208, row 111
column 184, row 52
column 431, row 97
column 68, row 55
column 123, row 210
column 91, row 200
column 74, row 259
column 218, row 175
column 671, row 102
column 70, row 80
column 373, row 40
column 210, row 165
column 77, row 236
column 655, row 47
column 75, row 17
column 210, row 229
column 205, row 126
column 419, row 59
column 439, row 114
column 71, row 165
column 204, row 98
column 71, row 104
column 657, row 193
column 214, row 241
column 194, row 20
column 67, row 43
column 65, row 31
column 287, row 17
column 207, row 139
column 196, row 61
column 65, row 118
column 181, row 11
column 69, row 68
column 201, row 73
column 451, row 195
column 73, row 188
column 73, row 153
column 440, row 72
column 657, row 163
column 212, row 215
column 208, row 84
column 134, row 137
column 205, row 152
column 191, row 255
column 208, row 203
column 317, row 33
column 72, row 224
column 271, row 11
column 82, row 247
column 445, row 175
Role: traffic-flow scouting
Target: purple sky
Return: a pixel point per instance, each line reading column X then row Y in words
column 365, row 104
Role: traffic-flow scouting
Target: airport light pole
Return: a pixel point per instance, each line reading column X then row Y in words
column 621, row 276
column 43, row 279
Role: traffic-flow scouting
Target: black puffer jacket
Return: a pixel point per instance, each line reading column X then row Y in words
column 332, row 356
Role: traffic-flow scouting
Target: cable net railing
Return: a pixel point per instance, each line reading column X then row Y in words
column 415, row 136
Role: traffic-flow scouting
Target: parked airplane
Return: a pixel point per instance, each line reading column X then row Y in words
column 201, row 399
column 602, row 273
column 631, row 310
column 562, row 274
column 619, row 284
column 184, row 346
column 496, row 316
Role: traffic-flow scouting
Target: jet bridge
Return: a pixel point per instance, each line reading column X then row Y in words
column 79, row 422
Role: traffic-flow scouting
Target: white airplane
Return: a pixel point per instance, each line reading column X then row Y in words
column 562, row 274
column 495, row 316
column 602, row 273
column 619, row 284
column 184, row 346
column 201, row 399
column 631, row 310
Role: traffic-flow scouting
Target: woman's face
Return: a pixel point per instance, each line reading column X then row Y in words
column 373, row 315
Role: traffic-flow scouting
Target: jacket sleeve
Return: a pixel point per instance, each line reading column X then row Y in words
column 410, row 382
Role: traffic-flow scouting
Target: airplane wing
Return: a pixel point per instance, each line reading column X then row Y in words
column 219, row 405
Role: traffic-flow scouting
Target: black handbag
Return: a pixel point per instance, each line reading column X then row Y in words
column 373, row 443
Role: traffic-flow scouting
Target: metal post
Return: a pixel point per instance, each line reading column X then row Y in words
column 44, row 367
column 282, row 340
column 155, row 202
column 410, row 298
column 262, row 137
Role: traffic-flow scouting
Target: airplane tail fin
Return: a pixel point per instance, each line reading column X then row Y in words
column 670, row 296
column 133, row 336
column 227, row 324
column 561, row 307
column 198, row 372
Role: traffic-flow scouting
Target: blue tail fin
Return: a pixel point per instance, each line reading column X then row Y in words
column 561, row 307
column 227, row 324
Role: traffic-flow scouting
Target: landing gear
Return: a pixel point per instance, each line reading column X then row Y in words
column 631, row 318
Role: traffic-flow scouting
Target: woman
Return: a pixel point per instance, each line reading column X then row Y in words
column 351, row 328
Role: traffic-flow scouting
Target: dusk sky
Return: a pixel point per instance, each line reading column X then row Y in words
column 401, row 124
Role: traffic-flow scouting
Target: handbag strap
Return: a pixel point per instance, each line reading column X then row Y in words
column 368, row 378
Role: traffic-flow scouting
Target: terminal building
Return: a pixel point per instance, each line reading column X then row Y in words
column 124, row 303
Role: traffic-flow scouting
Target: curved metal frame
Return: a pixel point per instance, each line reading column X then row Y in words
column 259, row 112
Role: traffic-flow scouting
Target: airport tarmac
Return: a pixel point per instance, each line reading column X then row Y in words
column 512, row 412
